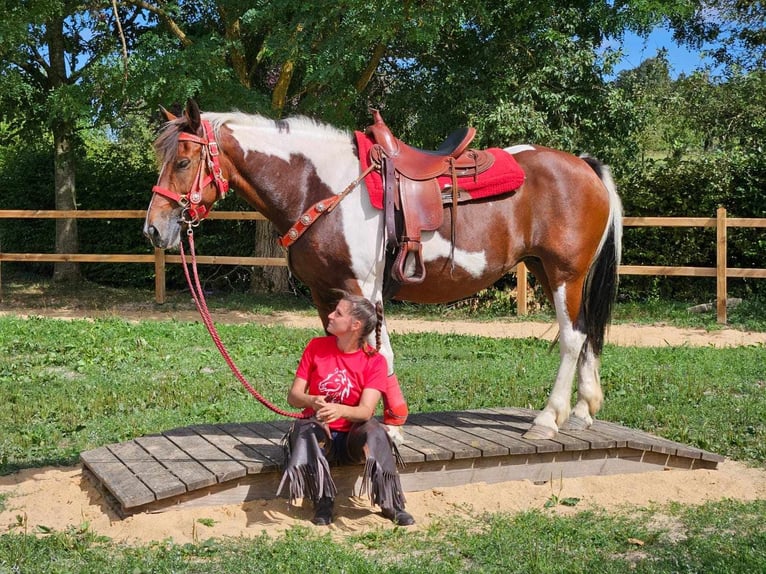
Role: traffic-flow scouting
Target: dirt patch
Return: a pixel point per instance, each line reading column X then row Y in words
column 622, row 335
column 39, row 499
column 45, row 498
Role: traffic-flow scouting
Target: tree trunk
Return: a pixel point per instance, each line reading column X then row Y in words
column 268, row 279
column 66, row 229
column 63, row 160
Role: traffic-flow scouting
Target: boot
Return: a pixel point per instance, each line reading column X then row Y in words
column 400, row 517
column 323, row 511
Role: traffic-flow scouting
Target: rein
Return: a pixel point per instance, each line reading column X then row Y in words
column 199, row 300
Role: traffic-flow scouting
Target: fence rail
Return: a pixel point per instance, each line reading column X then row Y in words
column 160, row 258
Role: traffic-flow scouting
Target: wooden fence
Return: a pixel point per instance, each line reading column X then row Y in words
column 160, row 259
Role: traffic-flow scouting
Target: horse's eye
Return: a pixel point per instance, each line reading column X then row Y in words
column 182, row 163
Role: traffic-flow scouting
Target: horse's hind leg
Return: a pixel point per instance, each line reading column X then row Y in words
column 566, row 299
column 589, row 393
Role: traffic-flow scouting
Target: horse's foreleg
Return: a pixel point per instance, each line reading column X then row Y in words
column 571, row 341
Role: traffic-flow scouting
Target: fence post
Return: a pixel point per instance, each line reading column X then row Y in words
column 159, row 275
column 521, row 288
column 720, row 265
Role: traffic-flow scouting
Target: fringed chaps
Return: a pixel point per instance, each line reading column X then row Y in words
column 369, row 442
column 308, row 470
column 306, row 466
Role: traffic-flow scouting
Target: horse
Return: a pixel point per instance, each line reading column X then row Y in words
column 564, row 222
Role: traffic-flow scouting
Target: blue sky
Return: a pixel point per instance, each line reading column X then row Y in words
column 637, row 49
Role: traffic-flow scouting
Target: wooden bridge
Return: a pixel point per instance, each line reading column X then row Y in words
column 205, row 465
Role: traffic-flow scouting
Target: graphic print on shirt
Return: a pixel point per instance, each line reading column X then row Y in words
column 336, row 386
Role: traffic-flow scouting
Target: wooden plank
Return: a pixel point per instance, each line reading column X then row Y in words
column 117, row 478
column 188, row 470
column 271, row 454
column 669, row 221
column 510, row 437
column 155, row 476
column 671, row 271
column 659, row 444
column 522, row 419
column 212, row 458
column 248, row 457
column 619, row 439
column 595, row 440
column 273, row 432
column 420, row 427
column 514, row 441
column 632, row 438
column 460, row 426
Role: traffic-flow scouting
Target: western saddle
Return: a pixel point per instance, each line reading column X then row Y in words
column 413, row 200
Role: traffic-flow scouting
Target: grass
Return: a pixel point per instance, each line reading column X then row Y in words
column 722, row 537
column 68, row 386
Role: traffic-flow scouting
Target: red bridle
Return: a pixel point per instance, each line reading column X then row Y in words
column 191, row 203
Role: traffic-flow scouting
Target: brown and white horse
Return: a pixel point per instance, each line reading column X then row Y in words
column 564, row 222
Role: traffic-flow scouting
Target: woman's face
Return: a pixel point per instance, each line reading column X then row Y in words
column 340, row 321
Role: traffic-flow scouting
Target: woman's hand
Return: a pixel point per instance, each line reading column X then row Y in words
column 328, row 412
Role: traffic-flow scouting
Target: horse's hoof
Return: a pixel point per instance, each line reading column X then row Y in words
column 539, row 432
column 575, row 423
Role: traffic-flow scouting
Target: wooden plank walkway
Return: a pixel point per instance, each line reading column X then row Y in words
column 230, row 463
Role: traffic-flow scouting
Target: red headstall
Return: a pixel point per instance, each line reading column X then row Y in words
column 191, row 203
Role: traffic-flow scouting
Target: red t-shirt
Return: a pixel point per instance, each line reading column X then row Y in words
column 338, row 376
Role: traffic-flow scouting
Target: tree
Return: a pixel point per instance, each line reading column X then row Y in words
column 49, row 51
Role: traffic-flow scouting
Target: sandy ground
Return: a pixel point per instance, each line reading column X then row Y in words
column 58, row 498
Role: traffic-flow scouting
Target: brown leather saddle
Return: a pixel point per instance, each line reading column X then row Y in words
column 413, row 198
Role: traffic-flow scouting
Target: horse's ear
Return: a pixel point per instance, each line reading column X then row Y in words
column 193, row 115
column 169, row 117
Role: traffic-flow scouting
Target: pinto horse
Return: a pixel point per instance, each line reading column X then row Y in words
column 564, row 223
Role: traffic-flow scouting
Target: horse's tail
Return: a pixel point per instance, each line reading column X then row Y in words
column 600, row 289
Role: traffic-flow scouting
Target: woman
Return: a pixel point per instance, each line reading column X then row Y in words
column 338, row 384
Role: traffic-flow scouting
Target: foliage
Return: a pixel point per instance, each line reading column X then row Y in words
column 519, row 72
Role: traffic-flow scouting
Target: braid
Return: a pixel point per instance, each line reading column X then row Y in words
column 378, row 324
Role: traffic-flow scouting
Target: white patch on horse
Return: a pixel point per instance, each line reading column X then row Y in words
column 435, row 247
column 321, row 143
column 514, row 149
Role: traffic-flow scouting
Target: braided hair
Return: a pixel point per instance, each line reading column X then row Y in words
column 369, row 315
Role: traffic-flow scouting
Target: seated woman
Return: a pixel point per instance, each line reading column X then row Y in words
column 338, row 384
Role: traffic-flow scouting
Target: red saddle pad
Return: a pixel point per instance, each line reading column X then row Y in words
column 504, row 176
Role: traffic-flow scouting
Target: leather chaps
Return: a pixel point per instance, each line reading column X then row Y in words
column 310, row 449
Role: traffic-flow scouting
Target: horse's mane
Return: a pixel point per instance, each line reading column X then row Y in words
column 166, row 144
column 294, row 124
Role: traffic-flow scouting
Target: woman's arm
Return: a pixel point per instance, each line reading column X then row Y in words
column 300, row 399
column 329, row 412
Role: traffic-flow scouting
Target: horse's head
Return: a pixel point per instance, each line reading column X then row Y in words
column 191, row 178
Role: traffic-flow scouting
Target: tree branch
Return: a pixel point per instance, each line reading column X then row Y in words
column 165, row 17
column 372, row 65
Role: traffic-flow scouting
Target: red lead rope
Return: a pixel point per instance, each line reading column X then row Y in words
column 199, row 300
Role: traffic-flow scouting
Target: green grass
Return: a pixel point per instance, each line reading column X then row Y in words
column 69, row 386
column 725, row 537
